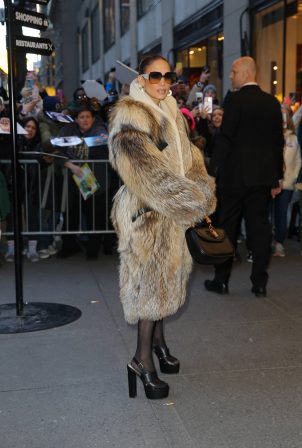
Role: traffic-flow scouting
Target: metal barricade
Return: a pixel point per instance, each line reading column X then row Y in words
column 52, row 203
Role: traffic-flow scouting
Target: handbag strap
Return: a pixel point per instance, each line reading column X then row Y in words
column 211, row 228
column 206, row 219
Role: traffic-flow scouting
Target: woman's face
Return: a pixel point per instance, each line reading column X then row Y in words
column 180, row 103
column 81, row 96
column 85, row 120
column 157, row 92
column 31, row 129
column 217, row 118
column 210, row 93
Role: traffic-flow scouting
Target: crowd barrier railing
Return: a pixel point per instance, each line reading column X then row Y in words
column 52, row 203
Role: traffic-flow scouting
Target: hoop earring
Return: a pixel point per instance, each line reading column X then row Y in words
column 170, row 93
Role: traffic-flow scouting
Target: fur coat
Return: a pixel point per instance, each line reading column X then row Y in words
column 161, row 170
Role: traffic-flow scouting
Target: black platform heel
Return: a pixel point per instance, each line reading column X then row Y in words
column 167, row 362
column 154, row 387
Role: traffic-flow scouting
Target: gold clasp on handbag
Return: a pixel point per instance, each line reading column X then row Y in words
column 211, row 228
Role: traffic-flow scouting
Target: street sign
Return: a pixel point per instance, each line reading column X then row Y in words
column 40, row 2
column 35, row 45
column 31, row 19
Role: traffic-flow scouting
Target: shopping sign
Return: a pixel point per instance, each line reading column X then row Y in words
column 31, row 19
column 40, row 2
column 35, row 45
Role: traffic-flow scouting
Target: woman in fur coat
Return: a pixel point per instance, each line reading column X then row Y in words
column 166, row 189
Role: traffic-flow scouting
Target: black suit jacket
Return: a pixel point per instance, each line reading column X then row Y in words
column 249, row 148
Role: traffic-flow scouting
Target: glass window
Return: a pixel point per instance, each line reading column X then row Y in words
column 125, row 16
column 268, row 48
column 95, row 34
column 293, row 65
column 109, row 23
column 143, row 6
column 207, row 52
column 85, row 49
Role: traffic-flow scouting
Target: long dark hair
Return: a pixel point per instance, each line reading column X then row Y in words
column 148, row 60
column 37, row 137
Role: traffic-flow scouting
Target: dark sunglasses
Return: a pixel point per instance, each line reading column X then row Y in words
column 155, row 77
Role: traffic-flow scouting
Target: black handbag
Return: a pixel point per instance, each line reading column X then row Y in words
column 208, row 245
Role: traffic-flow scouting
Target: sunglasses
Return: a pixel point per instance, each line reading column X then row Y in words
column 155, row 77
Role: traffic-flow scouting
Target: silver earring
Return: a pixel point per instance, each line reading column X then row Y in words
column 170, row 93
column 141, row 88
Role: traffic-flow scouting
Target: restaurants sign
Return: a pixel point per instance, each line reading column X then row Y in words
column 35, row 45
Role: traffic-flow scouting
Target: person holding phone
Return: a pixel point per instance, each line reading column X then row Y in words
column 292, row 163
column 200, row 85
column 166, row 189
column 208, row 125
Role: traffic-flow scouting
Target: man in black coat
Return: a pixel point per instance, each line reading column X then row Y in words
column 247, row 162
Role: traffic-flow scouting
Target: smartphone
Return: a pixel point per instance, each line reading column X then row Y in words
column 198, row 96
column 284, row 119
column 208, row 104
column 29, row 83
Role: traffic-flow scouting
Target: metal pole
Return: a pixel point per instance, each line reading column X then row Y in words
column 16, row 203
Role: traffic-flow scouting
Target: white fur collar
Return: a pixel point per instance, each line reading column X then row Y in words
column 167, row 108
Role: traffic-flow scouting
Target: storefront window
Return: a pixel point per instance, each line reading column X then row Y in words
column 207, row 52
column 268, row 48
column 293, row 79
column 279, row 66
column 197, row 56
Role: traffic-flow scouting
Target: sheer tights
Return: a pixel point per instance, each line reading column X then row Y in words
column 149, row 333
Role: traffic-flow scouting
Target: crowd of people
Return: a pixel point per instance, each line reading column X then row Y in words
column 203, row 111
column 49, row 196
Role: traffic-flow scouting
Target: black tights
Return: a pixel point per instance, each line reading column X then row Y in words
column 149, row 333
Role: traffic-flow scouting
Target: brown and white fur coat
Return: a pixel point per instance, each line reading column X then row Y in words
column 161, row 170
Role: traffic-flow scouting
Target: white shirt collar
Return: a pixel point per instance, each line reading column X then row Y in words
column 250, row 84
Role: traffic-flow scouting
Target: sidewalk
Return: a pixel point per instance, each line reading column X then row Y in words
column 240, row 384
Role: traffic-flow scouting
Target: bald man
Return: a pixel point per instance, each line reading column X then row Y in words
column 247, row 162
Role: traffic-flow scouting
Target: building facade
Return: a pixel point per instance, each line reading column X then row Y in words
column 96, row 33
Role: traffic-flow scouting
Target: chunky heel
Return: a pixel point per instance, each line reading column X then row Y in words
column 154, row 388
column 168, row 363
column 131, row 382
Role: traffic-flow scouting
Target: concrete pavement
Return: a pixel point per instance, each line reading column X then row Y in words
column 240, row 384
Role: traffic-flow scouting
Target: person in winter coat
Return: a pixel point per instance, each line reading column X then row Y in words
column 292, row 162
column 84, row 126
column 29, row 189
column 166, row 189
column 299, row 182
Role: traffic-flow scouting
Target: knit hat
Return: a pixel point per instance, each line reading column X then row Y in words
column 50, row 103
column 209, row 87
